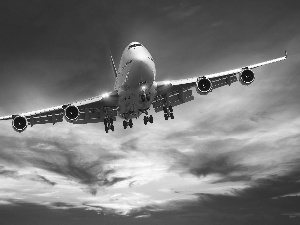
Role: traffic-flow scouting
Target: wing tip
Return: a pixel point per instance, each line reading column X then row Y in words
column 285, row 54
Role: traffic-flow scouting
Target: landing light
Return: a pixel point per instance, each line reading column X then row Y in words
column 105, row 95
column 144, row 87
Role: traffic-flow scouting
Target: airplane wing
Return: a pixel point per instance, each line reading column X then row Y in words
column 91, row 110
column 176, row 92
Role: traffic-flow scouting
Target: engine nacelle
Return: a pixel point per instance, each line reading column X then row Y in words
column 19, row 123
column 71, row 113
column 246, row 77
column 204, row 85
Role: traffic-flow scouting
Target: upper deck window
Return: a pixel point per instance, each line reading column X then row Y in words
column 134, row 45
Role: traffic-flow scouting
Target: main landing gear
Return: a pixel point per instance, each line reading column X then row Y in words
column 168, row 112
column 108, row 123
column 127, row 123
column 148, row 119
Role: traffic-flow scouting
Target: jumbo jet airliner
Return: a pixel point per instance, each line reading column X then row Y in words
column 135, row 90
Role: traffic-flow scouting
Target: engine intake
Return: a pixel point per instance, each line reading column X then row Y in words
column 71, row 113
column 246, row 77
column 204, row 85
column 19, row 123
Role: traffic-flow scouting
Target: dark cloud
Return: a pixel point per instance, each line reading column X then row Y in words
column 90, row 173
column 213, row 159
column 131, row 144
column 59, row 158
column 263, row 202
column 58, row 213
column 34, row 177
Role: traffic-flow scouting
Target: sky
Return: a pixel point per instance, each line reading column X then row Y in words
column 230, row 157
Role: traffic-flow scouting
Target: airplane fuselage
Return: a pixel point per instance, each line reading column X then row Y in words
column 136, row 77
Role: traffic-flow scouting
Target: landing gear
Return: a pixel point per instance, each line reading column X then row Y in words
column 127, row 123
column 172, row 116
column 151, row 119
column 168, row 112
column 148, row 119
column 108, row 123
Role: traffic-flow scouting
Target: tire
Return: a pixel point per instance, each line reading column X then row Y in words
column 171, row 108
column 165, row 109
column 112, row 128
column 166, row 117
column 145, row 120
column 151, row 119
column 172, row 116
column 111, row 120
column 106, row 129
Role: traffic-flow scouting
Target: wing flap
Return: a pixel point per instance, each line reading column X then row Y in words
column 96, row 115
column 49, row 118
column 222, row 81
column 178, row 98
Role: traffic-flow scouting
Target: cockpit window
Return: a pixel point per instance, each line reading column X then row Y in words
column 134, row 45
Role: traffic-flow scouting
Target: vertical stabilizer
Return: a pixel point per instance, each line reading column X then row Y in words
column 113, row 65
column 111, row 59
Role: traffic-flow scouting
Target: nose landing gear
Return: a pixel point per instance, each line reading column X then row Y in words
column 108, row 123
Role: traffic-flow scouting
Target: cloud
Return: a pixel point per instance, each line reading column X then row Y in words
column 60, row 159
column 262, row 202
column 33, row 176
column 180, row 11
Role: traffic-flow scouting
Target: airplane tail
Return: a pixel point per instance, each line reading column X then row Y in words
column 113, row 65
column 111, row 60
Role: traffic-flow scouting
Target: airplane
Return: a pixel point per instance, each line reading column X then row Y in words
column 135, row 90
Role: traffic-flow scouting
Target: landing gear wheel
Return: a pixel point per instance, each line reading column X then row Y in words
column 125, row 124
column 112, row 128
column 151, row 119
column 166, row 117
column 145, row 120
column 171, row 108
column 165, row 109
column 106, row 129
column 172, row 116
column 148, row 97
column 130, row 123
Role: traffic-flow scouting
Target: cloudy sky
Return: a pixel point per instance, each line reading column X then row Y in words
column 231, row 157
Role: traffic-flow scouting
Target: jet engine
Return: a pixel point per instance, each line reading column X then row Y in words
column 19, row 123
column 246, row 77
column 204, row 85
column 71, row 113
